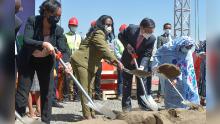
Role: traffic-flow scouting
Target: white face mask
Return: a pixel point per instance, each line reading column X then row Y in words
column 73, row 29
column 108, row 29
column 167, row 31
column 184, row 50
column 146, row 35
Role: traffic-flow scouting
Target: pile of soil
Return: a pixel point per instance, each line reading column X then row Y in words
column 102, row 121
column 177, row 116
column 169, row 70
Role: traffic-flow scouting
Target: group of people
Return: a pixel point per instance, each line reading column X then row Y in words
column 83, row 58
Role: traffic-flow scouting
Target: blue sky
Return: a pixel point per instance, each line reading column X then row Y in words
column 213, row 17
column 125, row 11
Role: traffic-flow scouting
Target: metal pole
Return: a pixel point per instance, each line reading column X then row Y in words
column 181, row 3
column 198, row 19
column 195, row 21
column 174, row 18
column 189, row 32
column 182, row 17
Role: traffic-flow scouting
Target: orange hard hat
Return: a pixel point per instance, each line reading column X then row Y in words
column 122, row 27
column 73, row 21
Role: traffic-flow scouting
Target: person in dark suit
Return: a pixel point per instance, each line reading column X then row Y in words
column 41, row 35
column 138, row 39
column 166, row 36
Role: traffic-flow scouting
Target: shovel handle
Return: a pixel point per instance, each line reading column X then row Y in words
column 19, row 117
column 73, row 77
column 141, row 80
column 128, row 71
column 176, row 90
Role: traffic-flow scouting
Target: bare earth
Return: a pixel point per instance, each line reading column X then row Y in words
column 72, row 114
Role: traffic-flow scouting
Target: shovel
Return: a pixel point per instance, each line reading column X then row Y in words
column 19, row 117
column 169, row 70
column 95, row 106
column 185, row 102
column 146, row 98
column 136, row 72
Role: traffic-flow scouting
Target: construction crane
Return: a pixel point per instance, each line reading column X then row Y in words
column 182, row 18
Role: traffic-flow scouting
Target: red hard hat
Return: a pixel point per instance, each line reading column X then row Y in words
column 93, row 23
column 123, row 27
column 73, row 21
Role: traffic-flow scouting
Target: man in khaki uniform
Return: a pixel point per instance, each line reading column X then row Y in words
column 85, row 61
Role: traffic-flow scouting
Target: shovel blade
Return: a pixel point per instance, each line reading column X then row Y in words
column 150, row 102
column 188, row 103
column 102, row 110
column 92, row 106
column 106, row 111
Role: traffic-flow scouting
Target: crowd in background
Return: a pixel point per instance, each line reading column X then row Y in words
column 44, row 81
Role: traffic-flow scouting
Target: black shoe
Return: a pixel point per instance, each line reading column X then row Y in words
column 57, row 105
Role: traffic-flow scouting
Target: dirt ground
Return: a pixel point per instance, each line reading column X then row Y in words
column 172, row 116
column 72, row 114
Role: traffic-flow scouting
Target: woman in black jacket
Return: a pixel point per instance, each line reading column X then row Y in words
column 41, row 35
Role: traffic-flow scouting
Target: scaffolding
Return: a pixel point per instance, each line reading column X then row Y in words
column 182, row 13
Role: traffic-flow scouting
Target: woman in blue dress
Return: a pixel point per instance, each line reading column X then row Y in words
column 179, row 53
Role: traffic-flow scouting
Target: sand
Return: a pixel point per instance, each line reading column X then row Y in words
column 177, row 116
column 102, row 121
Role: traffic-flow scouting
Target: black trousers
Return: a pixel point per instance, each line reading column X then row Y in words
column 44, row 68
column 97, row 84
column 120, row 82
column 127, row 85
